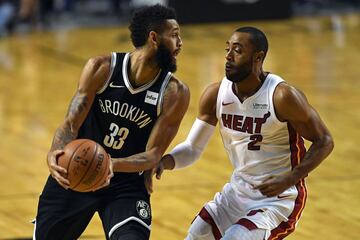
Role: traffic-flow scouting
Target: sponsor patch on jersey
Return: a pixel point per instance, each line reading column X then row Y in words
column 151, row 97
column 143, row 209
column 260, row 105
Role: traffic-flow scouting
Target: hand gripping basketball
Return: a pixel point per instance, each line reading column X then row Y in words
column 87, row 164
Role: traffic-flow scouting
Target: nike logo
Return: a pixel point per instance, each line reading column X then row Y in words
column 224, row 104
column 115, row 86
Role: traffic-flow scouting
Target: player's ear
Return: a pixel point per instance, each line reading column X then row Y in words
column 259, row 56
column 154, row 39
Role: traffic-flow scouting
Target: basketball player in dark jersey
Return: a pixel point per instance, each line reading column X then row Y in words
column 132, row 105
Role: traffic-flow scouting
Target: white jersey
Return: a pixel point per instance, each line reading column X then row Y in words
column 257, row 143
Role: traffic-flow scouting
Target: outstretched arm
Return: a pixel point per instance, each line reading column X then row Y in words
column 187, row 152
column 292, row 106
column 92, row 78
column 175, row 104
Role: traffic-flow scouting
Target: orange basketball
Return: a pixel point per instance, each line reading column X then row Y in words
column 87, row 164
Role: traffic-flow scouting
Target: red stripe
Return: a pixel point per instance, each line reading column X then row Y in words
column 297, row 149
column 285, row 228
column 253, row 212
column 204, row 214
column 247, row 223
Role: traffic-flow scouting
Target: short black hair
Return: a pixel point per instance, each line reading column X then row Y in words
column 147, row 19
column 258, row 38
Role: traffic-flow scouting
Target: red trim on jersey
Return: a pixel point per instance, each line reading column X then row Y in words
column 285, row 228
column 247, row 223
column 253, row 212
column 297, row 146
column 298, row 150
column 205, row 215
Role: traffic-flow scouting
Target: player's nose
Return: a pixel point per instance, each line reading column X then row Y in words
column 179, row 42
column 228, row 56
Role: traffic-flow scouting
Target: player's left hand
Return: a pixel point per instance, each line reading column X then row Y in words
column 275, row 185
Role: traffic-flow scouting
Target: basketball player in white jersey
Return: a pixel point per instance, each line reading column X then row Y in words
column 263, row 121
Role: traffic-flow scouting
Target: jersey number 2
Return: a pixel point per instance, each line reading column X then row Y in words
column 117, row 136
column 254, row 140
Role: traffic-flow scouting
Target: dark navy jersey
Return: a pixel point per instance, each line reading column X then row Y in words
column 121, row 117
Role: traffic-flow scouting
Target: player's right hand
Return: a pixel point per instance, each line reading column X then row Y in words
column 109, row 176
column 57, row 172
column 148, row 174
column 159, row 169
column 166, row 162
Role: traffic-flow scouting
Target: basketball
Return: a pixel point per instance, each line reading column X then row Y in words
column 87, row 164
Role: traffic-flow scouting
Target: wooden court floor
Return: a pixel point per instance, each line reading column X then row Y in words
column 319, row 55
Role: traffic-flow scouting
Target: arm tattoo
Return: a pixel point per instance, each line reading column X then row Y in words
column 78, row 105
column 65, row 133
column 63, row 136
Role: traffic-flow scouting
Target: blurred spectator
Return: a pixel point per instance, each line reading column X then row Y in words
column 27, row 11
column 27, row 14
column 46, row 7
column 141, row 3
column 7, row 16
column 120, row 7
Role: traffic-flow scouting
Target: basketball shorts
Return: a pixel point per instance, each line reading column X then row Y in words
column 64, row 214
column 240, row 204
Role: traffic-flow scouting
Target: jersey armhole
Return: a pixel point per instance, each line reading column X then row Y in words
column 218, row 99
column 112, row 67
column 272, row 108
column 162, row 92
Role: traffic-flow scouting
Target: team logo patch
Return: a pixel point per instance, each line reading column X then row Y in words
column 151, row 97
column 143, row 209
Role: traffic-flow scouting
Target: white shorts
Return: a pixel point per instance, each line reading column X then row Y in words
column 249, row 208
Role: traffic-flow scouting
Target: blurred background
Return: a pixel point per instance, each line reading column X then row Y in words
column 25, row 16
column 314, row 45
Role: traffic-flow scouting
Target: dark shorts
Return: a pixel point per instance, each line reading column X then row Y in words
column 64, row 214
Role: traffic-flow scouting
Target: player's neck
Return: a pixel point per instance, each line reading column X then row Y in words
column 141, row 68
column 248, row 86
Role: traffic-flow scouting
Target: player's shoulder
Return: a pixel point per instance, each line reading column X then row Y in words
column 211, row 91
column 99, row 62
column 95, row 72
column 178, row 87
column 213, row 88
column 176, row 98
column 290, row 102
column 285, row 92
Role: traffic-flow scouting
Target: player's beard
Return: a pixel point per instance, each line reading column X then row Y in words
column 241, row 73
column 165, row 59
